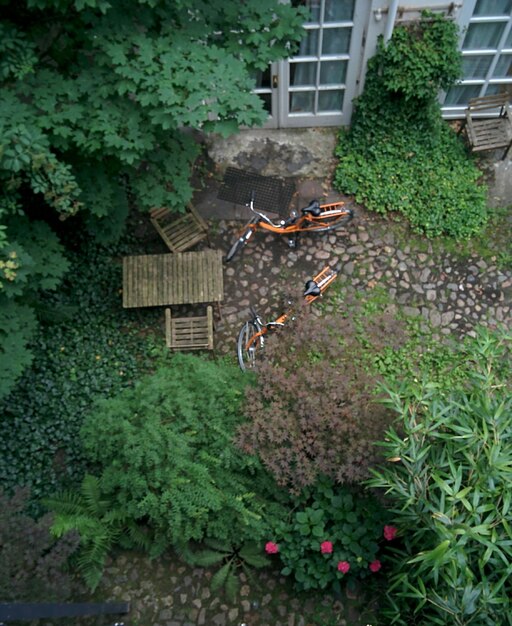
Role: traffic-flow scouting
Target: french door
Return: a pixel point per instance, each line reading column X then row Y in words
column 486, row 46
column 317, row 85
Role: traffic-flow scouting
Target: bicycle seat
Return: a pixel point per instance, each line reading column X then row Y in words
column 311, row 289
column 313, row 208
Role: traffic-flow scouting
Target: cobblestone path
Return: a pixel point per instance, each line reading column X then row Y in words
column 452, row 294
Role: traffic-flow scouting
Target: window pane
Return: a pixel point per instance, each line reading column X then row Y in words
column 333, row 72
column 493, row 7
column 336, row 40
column 492, row 90
column 309, row 45
column 314, row 9
column 461, row 94
column 503, row 67
column 481, row 36
column 508, row 42
column 330, row 101
column 302, row 102
column 267, row 101
column 338, row 10
column 303, row 74
column 476, row 67
column 262, row 78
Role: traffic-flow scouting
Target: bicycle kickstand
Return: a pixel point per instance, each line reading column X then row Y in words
column 293, row 240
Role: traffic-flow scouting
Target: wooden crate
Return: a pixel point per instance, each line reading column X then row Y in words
column 189, row 333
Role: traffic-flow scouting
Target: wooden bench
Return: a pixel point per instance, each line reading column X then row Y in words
column 189, row 333
column 180, row 232
column 486, row 131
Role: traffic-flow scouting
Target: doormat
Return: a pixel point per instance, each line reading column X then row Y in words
column 270, row 193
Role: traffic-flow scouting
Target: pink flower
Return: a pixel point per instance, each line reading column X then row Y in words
column 326, row 547
column 343, row 567
column 390, row 532
column 271, row 547
column 375, row 565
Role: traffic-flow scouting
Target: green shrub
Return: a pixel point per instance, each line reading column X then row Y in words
column 332, row 535
column 166, row 455
column 399, row 155
column 449, row 485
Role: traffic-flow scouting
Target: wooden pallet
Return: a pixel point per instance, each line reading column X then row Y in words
column 179, row 232
column 485, row 132
column 189, row 333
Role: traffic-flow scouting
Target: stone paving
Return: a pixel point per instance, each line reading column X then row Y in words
column 165, row 592
column 452, row 294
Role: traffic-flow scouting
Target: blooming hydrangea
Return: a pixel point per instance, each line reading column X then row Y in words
column 375, row 565
column 343, row 567
column 271, row 547
column 326, row 547
column 389, row 532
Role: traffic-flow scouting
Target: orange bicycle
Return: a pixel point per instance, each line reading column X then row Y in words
column 251, row 338
column 317, row 218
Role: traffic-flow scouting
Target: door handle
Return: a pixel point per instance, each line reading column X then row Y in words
column 275, row 81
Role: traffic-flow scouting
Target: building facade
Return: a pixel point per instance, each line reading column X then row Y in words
column 316, row 87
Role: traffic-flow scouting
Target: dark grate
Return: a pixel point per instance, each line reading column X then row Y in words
column 270, row 193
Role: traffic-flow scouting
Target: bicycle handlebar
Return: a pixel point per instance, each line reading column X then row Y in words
column 264, row 217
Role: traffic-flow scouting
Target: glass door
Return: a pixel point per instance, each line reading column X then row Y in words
column 486, row 53
column 317, row 85
column 266, row 88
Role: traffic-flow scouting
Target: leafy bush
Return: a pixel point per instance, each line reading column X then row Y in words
column 422, row 58
column 100, row 526
column 449, row 485
column 33, row 565
column 166, row 455
column 399, row 155
column 332, row 535
column 313, row 409
column 86, row 347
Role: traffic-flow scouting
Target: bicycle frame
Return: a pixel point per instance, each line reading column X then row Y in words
column 314, row 218
column 295, row 223
column 248, row 345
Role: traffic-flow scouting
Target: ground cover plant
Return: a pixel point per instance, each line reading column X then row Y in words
column 86, row 346
column 399, row 155
column 448, row 482
column 33, row 564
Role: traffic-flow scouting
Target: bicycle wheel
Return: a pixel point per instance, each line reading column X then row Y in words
column 248, row 345
column 324, row 223
column 241, row 241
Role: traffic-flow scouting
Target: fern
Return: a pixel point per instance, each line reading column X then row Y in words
column 99, row 523
column 220, row 577
column 232, row 558
column 231, row 586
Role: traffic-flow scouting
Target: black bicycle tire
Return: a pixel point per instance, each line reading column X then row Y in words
column 342, row 221
column 238, row 245
column 243, row 337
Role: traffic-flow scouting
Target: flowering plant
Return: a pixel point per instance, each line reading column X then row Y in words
column 333, row 535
